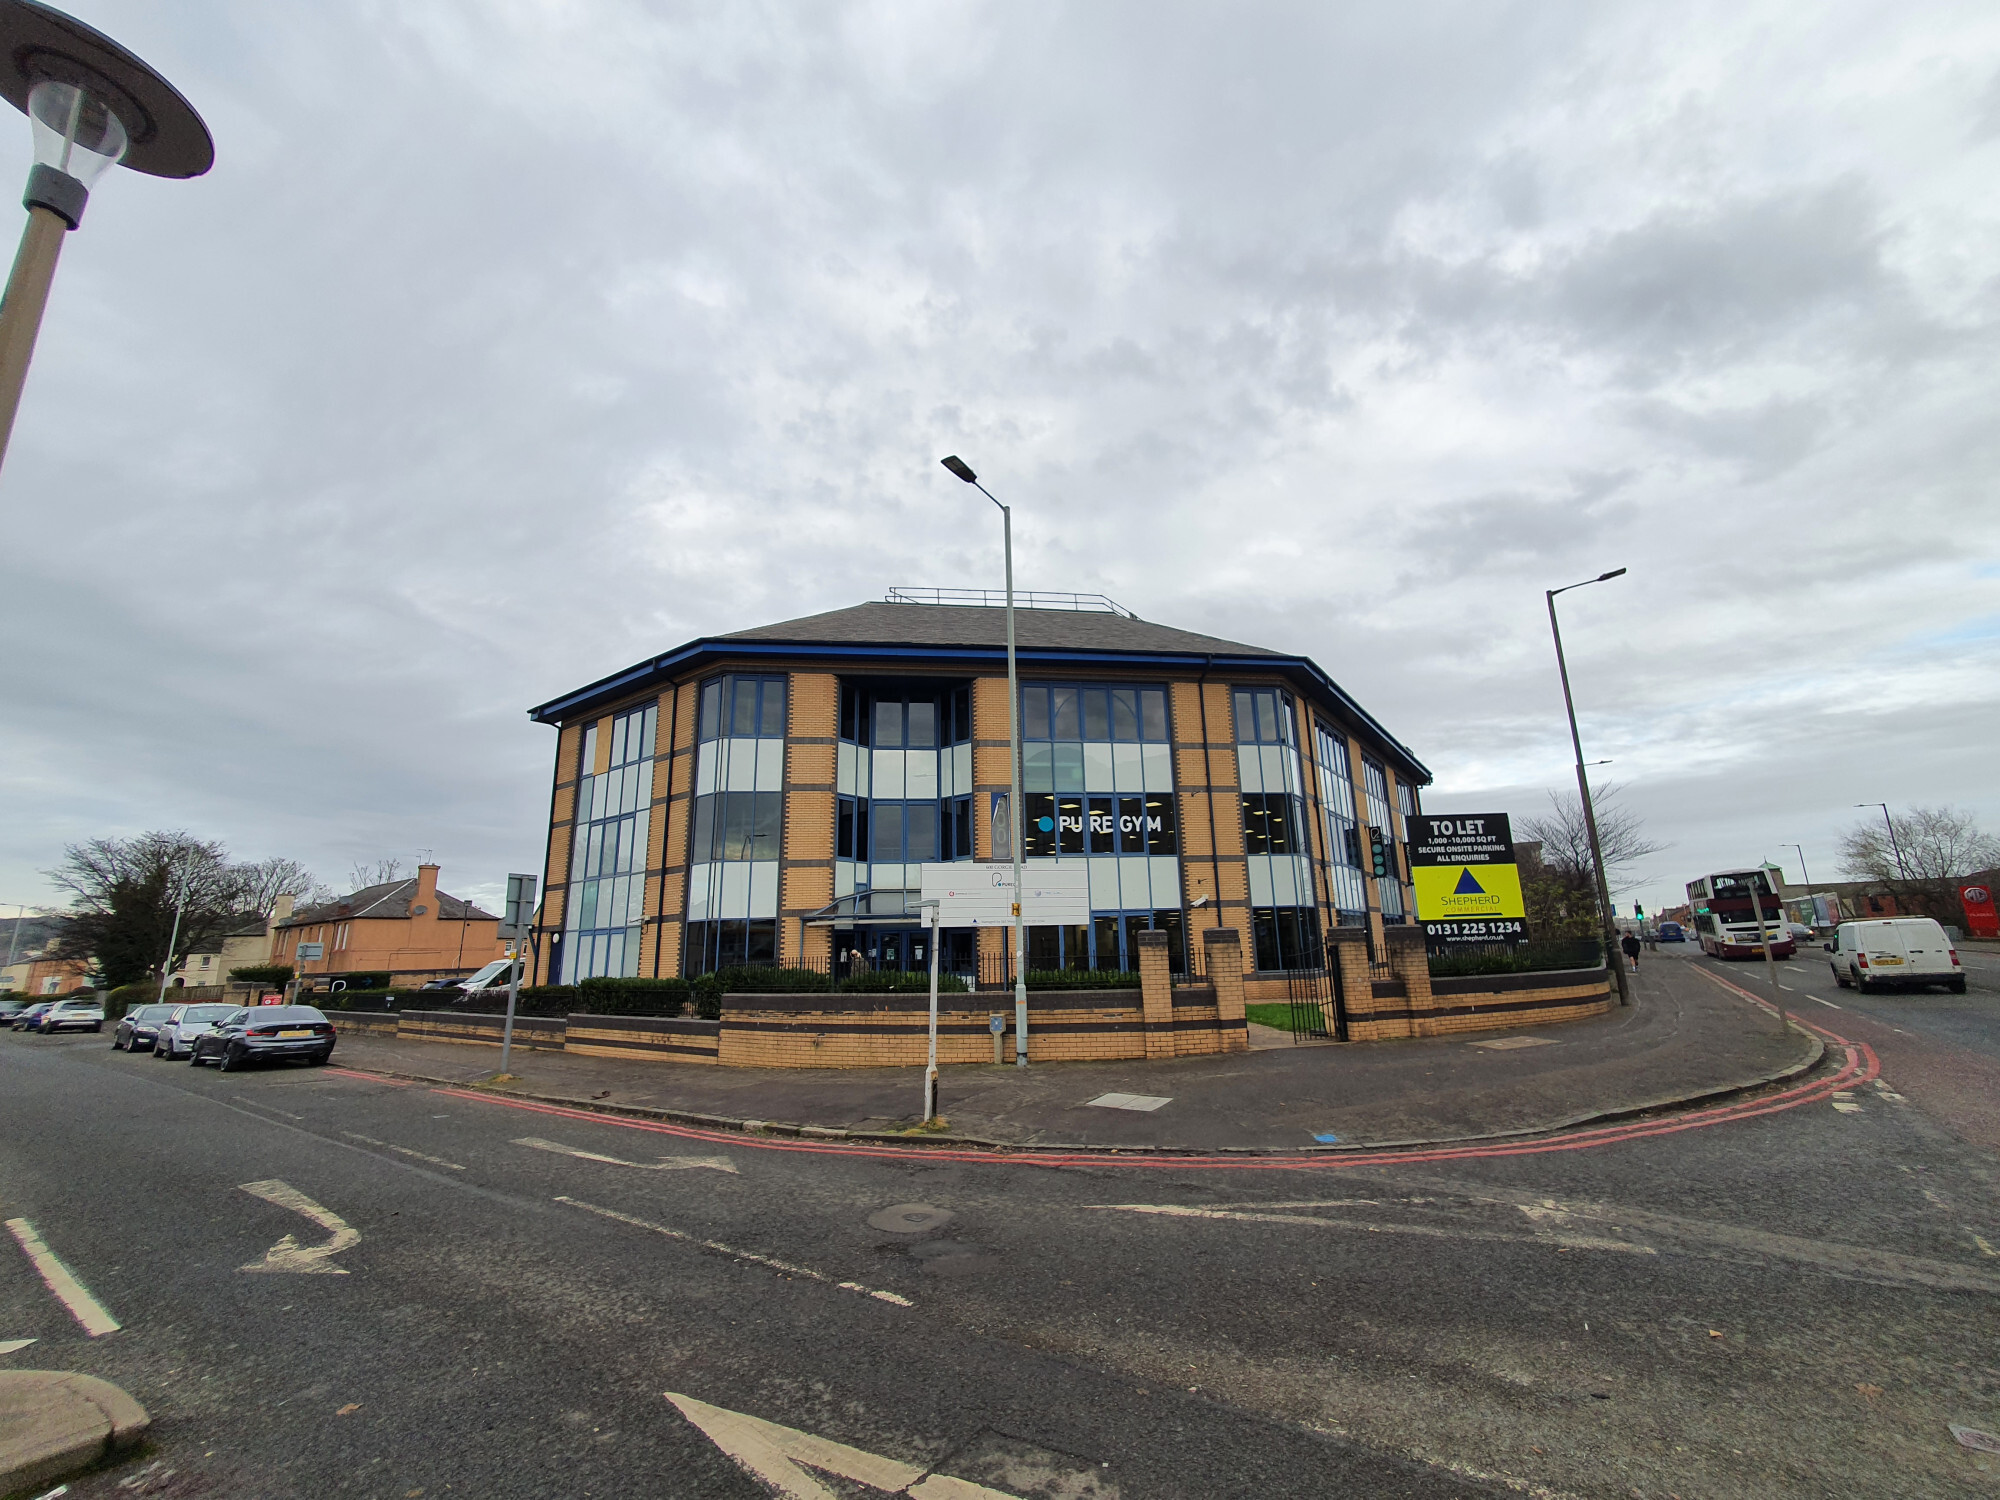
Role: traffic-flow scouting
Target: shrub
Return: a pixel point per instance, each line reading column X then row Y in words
column 1082, row 979
column 894, row 981
column 266, row 974
column 126, row 996
column 1529, row 958
column 606, row 996
column 767, row 979
column 708, row 997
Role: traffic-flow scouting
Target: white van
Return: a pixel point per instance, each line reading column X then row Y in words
column 1900, row 950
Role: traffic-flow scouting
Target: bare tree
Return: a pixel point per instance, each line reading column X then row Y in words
column 264, row 881
column 1934, row 848
column 125, row 894
column 1565, row 840
column 380, row 873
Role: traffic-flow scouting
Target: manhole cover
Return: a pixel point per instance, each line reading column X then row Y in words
column 909, row 1218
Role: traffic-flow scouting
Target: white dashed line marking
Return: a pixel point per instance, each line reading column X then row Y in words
column 369, row 1140
column 733, row 1253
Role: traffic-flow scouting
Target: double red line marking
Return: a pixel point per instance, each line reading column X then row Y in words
column 1860, row 1066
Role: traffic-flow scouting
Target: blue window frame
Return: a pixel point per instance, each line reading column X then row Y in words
column 1086, row 713
column 1343, row 835
column 1108, row 941
column 1375, row 783
column 743, row 708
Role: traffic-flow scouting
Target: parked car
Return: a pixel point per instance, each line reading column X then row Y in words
column 1672, row 932
column 12, row 1008
column 1896, row 950
column 443, row 984
column 26, row 1018
column 183, row 1025
column 266, row 1033
column 138, row 1026
column 85, row 1013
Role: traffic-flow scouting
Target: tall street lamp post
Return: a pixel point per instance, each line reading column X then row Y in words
column 1611, row 952
column 90, row 105
column 1016, row 824
column 1804, row 873
column 1895, row 848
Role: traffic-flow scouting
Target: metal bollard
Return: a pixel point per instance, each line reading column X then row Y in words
column 998, row 1026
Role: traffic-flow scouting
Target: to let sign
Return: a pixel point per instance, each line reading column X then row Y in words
column 1468, row 887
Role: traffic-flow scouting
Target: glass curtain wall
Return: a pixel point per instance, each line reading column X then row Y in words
column 1097, row 781
column 607, row 871
column 1390, row 887
column 737, row 824
column 1284, row 919
column 1343, row 834
column 903, row 784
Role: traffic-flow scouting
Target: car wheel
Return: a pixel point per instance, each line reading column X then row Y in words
column 227, row 1062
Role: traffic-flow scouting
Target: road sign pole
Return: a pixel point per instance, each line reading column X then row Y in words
column 519, row 917
column 931, row 1067
column 1770, row 963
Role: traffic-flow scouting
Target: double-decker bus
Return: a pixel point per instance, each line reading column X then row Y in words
column 1725, row 916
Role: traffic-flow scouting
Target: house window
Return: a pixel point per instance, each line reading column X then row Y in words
column 743, row 708
column 607, row 884
column 737, row 823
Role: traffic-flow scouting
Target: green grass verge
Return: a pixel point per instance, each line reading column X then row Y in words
column 1279, row 1016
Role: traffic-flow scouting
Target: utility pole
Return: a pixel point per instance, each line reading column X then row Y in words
column 1770, row 963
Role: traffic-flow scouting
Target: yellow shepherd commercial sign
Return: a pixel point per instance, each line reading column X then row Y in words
column 1463, row 869
column 1457, row 893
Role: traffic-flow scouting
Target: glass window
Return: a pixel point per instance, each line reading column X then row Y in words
column 1124, row 714
column 922, row 733
column 888, row 831
column 1096, row 713
column 730, row 945
column 1063, row 714
column 606, row 887
column 1034, row 713
column 889, row 726
column 743, row 708
column 1263, row 716
column 920, row 830
column 1080, row 713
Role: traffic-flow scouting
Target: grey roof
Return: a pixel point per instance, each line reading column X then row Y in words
column 880, row 624
column 390, row 900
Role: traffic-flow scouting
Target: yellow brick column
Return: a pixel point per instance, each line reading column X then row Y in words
column 1411, row 964
column 1156, row 994
column 1357, row 987
column 1223, row 952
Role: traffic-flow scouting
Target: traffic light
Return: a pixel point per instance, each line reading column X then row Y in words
column 1638, row 910
column 1378, row 853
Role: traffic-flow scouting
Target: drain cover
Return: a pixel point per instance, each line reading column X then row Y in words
column 909, row 1218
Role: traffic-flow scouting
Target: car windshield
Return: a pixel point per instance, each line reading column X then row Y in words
column 205, row 1013
column 152, row 1012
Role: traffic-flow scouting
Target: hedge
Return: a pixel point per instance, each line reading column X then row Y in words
column 264, row 974
column 1082, row 979
column 1545, row 956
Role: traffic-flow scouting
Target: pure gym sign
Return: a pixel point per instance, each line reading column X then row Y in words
column 1467, row 885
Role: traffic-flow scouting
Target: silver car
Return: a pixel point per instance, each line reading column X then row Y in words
column 178, row 1031
column 71, row 1015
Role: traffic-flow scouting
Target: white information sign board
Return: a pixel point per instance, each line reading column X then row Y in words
column 1053, row 893
column 310, row 951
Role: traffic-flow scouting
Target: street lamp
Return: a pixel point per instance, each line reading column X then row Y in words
column 1901, row 868
column 1611, row 954
column 1016, row 823
column 1804, row 873
column 90, row 106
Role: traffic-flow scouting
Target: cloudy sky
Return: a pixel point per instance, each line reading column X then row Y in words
column 512, row 340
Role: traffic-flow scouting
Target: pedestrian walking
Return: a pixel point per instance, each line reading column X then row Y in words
column 1631, row 946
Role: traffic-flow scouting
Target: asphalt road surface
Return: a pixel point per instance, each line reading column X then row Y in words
column 331, row 1285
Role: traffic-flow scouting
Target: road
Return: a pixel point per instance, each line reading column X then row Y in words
column 482, row 1298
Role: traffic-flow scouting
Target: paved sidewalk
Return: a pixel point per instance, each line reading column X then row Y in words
column 54, row 1424
column 1685, row 1037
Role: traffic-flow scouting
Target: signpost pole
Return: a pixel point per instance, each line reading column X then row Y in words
column 520, row 913
column 931, row 1067
column 1770, row 963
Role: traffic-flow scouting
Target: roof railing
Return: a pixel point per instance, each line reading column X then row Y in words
column 1023, row 599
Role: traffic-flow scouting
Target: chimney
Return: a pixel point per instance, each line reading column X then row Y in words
column 281, row 909
column 427, row 889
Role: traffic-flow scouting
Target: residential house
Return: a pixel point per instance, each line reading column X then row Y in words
column 407, row 929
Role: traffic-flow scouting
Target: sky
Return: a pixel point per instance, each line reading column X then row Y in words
column 511, row 341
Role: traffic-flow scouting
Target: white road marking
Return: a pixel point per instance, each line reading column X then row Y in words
column 1984, row 1247
column 1882, row 1088
column 256, row 1104
column 1513, row 1043
column 1142, row 1102
column 664, row 1164
column 780, row 1456
column 369, row 1140
column 1422, row 1231
column 9, row 1346
column 288, row 1254
column 70, row 1292
column 735, row 1254
column 1827, row 1003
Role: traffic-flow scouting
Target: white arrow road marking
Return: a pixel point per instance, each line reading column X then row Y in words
column 70, row 1292
column 734, row 1254
column 8, row 1346
column 288, row 1254
column 780, row 1457
column 664, row 1164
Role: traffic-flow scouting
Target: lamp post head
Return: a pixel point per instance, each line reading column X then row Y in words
column 91, row 105
column 961, row 468
column 1614, row 573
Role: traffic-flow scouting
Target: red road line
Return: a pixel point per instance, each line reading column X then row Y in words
column 394, row 1083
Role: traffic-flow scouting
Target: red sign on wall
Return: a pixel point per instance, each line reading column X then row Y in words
column 1982, row 917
